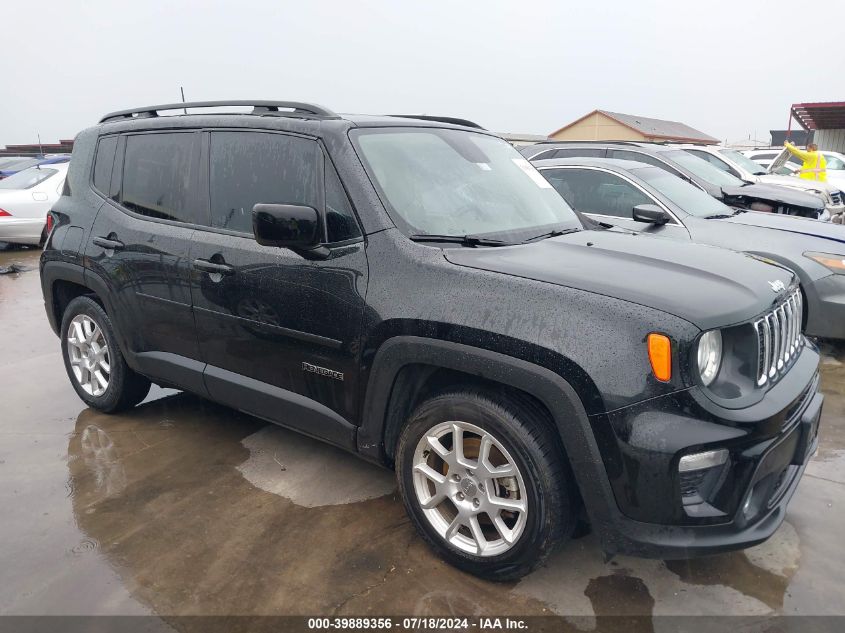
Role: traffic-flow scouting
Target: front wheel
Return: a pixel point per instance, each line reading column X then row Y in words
column 485, row 482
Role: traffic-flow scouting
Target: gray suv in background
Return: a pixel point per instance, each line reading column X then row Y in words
column 649, row 200
column 715, row 182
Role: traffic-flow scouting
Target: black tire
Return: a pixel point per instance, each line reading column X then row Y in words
column 125, row 387
column 540, row 458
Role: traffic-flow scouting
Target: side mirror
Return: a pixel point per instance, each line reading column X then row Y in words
column 650, row 214
column 286, row 225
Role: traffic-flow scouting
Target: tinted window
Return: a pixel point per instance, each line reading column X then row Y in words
column 103, row 163
column 27, row 178
column 252, row 167
column 702, row 169
column 713, row 160
column 158, row 175
column 688, row 197
column 592, row 191
column 340, row 220
column 624, row 154
column 582, row 152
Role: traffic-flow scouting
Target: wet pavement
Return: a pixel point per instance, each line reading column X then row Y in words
column 182, row 507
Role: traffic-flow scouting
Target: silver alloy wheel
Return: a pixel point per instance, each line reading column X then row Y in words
column 88, row 353
column 470, row 488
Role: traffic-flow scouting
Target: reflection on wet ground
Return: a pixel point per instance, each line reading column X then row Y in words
column 183, row 507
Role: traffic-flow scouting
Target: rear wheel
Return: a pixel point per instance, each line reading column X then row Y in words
column 93, row 360
column 485, row 482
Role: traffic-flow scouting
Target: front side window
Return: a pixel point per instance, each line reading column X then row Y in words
column 159, row 174
column 27, row 178
column 640, row 157
column 713, row 160
column 595, row 191
column 743, row 161
column 702, row 169
column 340, row 220
column 452, row 182
column 686, row 196
column 248, row 168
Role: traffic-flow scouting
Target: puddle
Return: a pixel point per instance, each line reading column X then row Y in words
column 309, row 473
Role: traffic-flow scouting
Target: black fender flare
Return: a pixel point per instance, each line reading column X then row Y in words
column 551, row 389
column 51, row 272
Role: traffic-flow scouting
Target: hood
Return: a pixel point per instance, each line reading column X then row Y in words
column 795, row 182
column 779, row 161
column 776, row 194
column 791, row 224
column 707, row 286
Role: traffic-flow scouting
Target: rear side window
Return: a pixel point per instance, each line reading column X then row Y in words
column 159, row 174
column 623, row 154
column 580, row 152
column 248, row 168
column 340, row 220
column 103, row 164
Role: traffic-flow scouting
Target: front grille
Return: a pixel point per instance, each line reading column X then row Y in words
column 836, row 198
column 779, row 338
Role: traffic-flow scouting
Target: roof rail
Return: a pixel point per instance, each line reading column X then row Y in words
column 607, row 142
column 258, row 107
column 439, row 119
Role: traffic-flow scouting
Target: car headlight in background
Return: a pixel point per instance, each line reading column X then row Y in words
column 835, row 263
column 709, row 355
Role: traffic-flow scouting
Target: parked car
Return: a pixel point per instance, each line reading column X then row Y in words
column 25, row 163
column 415, row 292
column 25, row 199
column 648, row 200
column 787, row 164
column 739, row 165
column 722, row 186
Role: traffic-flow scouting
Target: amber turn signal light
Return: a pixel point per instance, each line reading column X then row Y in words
column 660, row 355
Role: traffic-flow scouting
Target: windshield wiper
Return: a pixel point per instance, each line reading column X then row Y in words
column 555, row 233
column 463, row 240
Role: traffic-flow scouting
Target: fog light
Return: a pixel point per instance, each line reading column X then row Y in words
column 699, row 461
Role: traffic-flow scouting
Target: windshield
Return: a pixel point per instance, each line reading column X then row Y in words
column 743, row 161
column 834, row 162
column 452, row 182
column 27, row 178
column 702, row 168
column 688, row 197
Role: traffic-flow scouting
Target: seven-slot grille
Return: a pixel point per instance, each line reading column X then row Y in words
column 836, row 197
column 779, row 337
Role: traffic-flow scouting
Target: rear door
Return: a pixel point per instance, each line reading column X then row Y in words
column 610, row 198
column 279, row 332
column 140, row 244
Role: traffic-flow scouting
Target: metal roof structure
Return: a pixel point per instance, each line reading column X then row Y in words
column 819, row 116
column 658, row 129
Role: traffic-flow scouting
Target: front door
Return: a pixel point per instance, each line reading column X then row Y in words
column 139, row 245
column 280, row 332
column 609, row 198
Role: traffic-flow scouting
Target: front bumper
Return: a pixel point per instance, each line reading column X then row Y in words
column 769, row 443
column 826, row 307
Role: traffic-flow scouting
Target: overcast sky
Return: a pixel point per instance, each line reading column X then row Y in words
column 726, row 68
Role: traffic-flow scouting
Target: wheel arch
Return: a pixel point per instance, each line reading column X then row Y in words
column 402, row 360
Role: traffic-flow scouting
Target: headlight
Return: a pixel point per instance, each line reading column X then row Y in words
column 836, row 263
column 709, row 355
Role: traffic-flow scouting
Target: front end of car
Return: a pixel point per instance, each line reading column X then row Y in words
column 711, row 467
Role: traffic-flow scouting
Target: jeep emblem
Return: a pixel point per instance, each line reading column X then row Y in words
column 777, row 285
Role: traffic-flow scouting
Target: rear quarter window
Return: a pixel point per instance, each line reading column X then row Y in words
column 103, row 162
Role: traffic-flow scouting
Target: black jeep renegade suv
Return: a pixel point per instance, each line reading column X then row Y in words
column 412, row 290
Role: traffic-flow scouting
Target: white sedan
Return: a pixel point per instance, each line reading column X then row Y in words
column 25, row 199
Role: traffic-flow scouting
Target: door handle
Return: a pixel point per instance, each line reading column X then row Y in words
column 210, row 267
column 110, row 245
